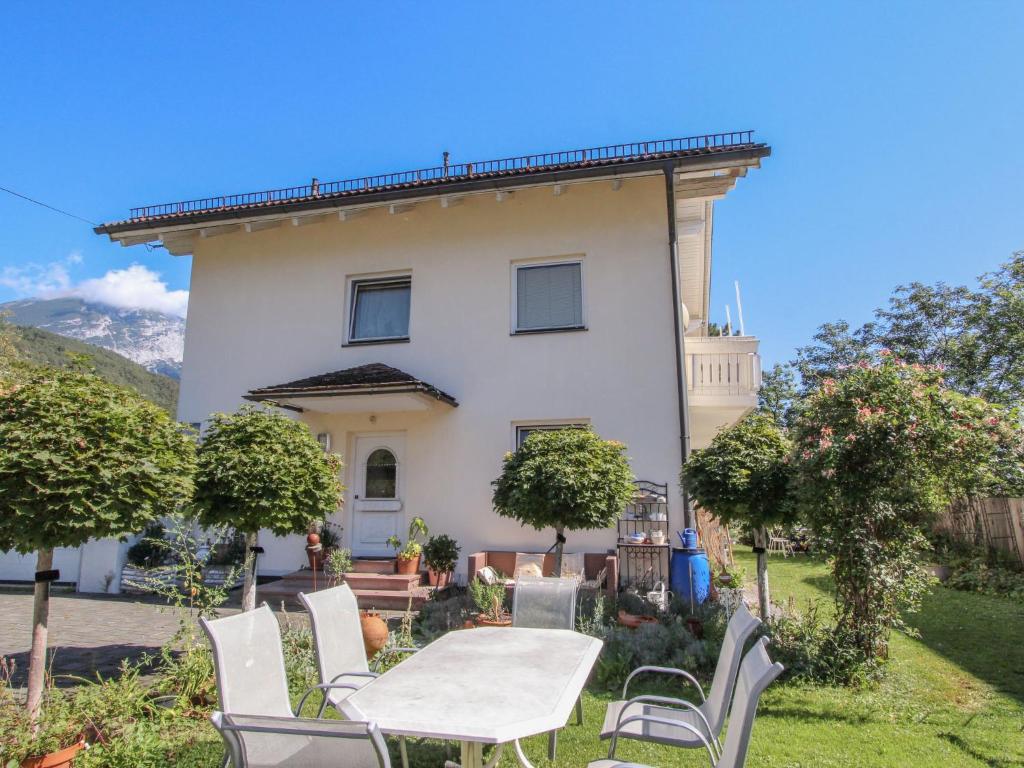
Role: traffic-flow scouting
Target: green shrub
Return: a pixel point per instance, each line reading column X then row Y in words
column 981, row 572
column 148, row 552
column 338, row 563
column 814, row 650
column 441, row 553
column 489, row 598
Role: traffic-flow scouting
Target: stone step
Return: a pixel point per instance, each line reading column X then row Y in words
column 277, row 592
column 392, row 582
column 373, row 565
column 302, row 581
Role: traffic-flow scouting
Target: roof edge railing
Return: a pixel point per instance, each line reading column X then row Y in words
column 522, row 163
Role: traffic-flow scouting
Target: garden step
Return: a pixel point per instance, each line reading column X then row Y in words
column 389, row 600
column 372, row 565
column 384, row 582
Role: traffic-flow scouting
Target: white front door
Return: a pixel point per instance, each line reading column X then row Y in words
column 377, row 494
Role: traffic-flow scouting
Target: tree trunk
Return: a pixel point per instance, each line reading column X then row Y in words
column 559, row 546
column 37, row 656
column 249, row 589
column 763, row 600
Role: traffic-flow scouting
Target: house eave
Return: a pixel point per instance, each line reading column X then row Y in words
column 158, row 226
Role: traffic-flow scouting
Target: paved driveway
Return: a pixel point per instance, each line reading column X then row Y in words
column 88, row 633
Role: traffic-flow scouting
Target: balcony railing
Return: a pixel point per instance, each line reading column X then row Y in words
column 722, row 367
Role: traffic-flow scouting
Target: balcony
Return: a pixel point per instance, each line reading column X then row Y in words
column 723, row 374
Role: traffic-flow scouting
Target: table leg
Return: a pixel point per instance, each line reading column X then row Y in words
column 520, row 755
column 472, row 754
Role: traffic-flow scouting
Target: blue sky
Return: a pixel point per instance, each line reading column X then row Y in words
column 895, row 127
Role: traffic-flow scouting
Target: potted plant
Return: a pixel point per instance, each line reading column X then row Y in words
column 52, row 741
column 490, row 602
column 441, row 553
column 407, row 557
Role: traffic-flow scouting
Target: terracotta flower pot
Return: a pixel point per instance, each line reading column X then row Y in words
column 436, row 579
column 407, row 566
column 61, row 759
column 483, row 621
column 632, row 621
column 375, row 632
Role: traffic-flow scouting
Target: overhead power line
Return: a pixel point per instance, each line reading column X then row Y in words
column 45, row 205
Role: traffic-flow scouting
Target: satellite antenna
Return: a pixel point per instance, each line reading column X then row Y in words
column 739, row 308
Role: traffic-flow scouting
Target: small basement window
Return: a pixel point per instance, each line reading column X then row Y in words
column 525, row 431
column 549, row 297
column 380, row 310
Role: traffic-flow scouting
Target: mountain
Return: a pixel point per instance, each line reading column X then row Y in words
column 151, row 339
column 45, row 348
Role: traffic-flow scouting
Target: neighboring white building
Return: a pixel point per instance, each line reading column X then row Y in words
column 424, row 322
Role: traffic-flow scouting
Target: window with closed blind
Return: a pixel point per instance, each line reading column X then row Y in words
column 549, row 297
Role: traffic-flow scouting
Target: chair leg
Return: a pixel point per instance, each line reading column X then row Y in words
column 227, row 759
column 552, row 745
column 579, row 711
column 404, row 751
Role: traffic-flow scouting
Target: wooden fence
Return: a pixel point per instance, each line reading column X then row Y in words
column 994, row 523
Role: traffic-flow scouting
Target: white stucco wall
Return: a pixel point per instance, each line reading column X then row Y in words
column 268, row 307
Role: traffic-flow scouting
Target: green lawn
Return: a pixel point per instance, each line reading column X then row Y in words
column 954, row 697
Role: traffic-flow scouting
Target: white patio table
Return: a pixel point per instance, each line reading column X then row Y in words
column 491, row 685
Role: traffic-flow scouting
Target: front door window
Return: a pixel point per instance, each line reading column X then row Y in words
column 381, row 475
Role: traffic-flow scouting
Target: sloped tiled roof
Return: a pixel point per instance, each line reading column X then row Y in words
column 374, row 378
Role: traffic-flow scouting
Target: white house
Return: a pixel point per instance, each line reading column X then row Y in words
column 423, row 322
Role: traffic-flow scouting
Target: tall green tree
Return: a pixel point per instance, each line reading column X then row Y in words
column 836, row 347
column 998, row 317
column 779, row 394
column 81, row 459
column 258, row 469
column 744, row 476
column 566, row 479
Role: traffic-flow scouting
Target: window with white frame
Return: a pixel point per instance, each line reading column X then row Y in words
column 380, row 309
column 523, row 431
column 548, row 297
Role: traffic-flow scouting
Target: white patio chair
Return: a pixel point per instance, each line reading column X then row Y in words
column 338, row 641
column 706, row 718
column 778, row 542
column 756, row 673
column 547, row 603
column 255, row 741
column 249, row 663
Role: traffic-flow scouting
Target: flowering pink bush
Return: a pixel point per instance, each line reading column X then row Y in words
column 880, row 451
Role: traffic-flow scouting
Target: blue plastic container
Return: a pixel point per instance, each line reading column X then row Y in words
column 690, row 576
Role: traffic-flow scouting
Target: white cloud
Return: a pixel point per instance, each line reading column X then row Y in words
column 36, row 279
column 136, row 287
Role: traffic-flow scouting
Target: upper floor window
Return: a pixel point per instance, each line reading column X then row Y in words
column 380, row 309
column 549, row 297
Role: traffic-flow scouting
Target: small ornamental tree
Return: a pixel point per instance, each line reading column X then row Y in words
column 566, row 479
column 744, row 476
column 880, row 452
column 81, row 458
column 260, row 469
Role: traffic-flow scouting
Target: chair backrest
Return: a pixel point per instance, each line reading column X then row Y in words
column 249, row 663
column 756, row 673
column 337, row 633
column 544, row 603
column 262, row 742
column 741, row 626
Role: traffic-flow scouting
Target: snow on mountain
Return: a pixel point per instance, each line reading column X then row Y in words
column 152, row 339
